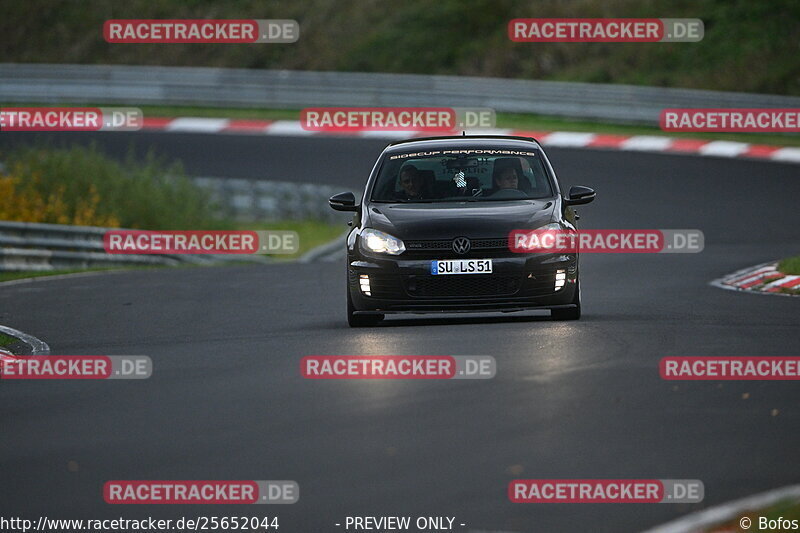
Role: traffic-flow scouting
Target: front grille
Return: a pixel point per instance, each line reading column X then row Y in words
column 477, row 244
column 460, row 286
column 443, row 249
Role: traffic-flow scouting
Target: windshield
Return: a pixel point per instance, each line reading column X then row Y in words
column 462, row 175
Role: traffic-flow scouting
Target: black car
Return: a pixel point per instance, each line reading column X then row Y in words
column 432, row 231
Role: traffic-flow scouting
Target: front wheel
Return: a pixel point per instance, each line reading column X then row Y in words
column 359, row 321
column 569, row 313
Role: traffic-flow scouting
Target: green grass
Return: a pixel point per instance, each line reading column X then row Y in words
column 5, row 340
column 504, row 120
column 790, row 265
column 311, row 233
column 788, row 510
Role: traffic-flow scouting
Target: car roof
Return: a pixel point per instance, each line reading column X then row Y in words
column 463, row 141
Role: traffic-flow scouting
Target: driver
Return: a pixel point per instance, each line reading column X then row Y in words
column 411, row 183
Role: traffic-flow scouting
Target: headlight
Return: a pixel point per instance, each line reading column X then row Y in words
column 379, row 242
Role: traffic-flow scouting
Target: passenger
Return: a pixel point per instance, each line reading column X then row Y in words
column 506, row 179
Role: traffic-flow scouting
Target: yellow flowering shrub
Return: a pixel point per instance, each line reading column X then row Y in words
column 83, row 186
column 22, row 201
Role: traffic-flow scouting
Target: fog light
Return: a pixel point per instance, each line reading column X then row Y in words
column 364, row 280
column 561, row 279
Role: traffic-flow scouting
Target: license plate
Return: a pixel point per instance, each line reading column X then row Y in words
column 462, row 266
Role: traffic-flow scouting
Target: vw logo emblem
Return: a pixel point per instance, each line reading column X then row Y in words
column 461, row 245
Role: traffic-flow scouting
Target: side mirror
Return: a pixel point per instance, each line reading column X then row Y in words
column 579, row 195
column 344, row 201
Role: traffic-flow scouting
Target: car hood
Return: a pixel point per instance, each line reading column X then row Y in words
column 447, row 220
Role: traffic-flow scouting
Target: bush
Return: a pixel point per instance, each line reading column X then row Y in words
column 82, row 186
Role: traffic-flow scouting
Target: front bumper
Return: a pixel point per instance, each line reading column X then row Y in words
column 517, row 282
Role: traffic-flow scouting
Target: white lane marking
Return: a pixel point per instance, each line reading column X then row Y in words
column 701, row 520
column 38, row 347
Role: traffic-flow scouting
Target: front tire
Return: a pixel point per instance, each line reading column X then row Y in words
column 360, row 321
column 569, row 313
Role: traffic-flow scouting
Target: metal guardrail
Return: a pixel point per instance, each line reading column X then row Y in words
column 262, row 200
column 38, row 247
column 27, row 246
column 140, row 85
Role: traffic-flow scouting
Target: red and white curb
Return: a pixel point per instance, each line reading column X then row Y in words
column 700, row 521
column 567, row 139
column 763, row 278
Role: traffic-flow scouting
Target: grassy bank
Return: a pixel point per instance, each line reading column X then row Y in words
column 311, row 233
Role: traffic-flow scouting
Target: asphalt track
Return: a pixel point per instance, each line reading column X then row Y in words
column 570, row 400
